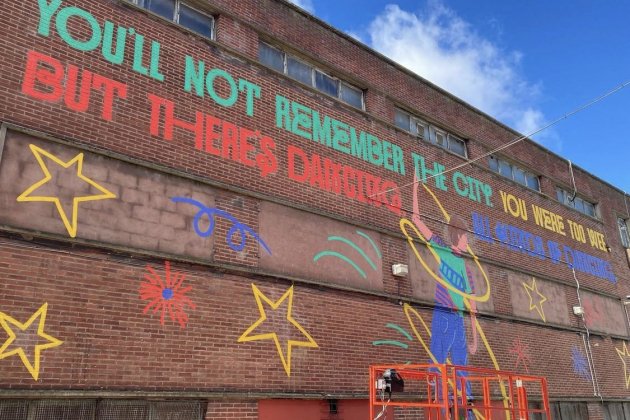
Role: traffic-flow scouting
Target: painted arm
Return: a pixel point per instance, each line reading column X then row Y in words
column 424, row 230
column 473, row 313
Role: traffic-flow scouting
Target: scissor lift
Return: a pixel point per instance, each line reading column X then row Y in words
column 439, row 392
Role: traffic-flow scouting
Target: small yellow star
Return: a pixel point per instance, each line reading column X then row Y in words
column 6, row 320
column 71, row 226
column 624, row 355
column 288, row 296
column 538, row 306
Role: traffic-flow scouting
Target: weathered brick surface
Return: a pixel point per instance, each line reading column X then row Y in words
column 93, row 298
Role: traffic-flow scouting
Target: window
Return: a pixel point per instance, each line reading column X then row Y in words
column 180, row 12
column 514, row 172
column 100, row 410
column 430, row 133
column 624, row 232
column 310, row 75
column 578, row 203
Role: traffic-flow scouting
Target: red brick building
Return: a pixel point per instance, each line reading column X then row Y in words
column 201, row 204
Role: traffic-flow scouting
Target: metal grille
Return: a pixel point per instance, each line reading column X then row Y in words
column 177, row 410
column 13, row 410
column 62, row 410
column 101, row 410
column 123, row 410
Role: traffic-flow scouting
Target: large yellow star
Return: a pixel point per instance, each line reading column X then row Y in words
column 542, row 299
column 624, row 355
column 11, row 325
column 288, row 296
column 71, row 226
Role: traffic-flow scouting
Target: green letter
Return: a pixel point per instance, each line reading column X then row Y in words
column 252, row 91
column 231, row 99
column 283, row 113
column 46, row 12
column 108, row 39
column 62, row 28
column 191, row 75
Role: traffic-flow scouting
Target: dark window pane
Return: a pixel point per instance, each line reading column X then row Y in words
column 494, row 164
column 326, row 83
column 196, row 21
column 589, row 209
column 456, row 145
column 519, row 176
column 560, row 195
column 578, row 203
column 532, row 182
column 164, row 8
column 402, row 120
column 351, row 96
column 271, row 56
column 505, row 169
column 299, row 71
column 623, row 231
column 420, row 129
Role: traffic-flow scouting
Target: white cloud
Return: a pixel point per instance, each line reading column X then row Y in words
column 444, row 49
column 304, row 4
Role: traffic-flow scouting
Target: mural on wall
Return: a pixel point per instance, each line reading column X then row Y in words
column 27, row 340
column 355, row 247
column 580, row 364
column 521, row 351
column 166, row 295
column 536, row 299
column 396, row 343
column 624, row 355
column 238, row 229
column 279, row 332
column 75, row 175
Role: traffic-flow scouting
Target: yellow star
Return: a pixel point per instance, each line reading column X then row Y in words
column 288, row 295
column 623, row 355
column 6, row 321
column 71, row 226
column 543, row 299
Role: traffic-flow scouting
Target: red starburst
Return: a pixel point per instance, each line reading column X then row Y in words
column 521, row 351
column 166, row 295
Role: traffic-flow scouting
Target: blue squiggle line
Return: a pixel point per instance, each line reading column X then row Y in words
column 237, row 227
column 342, row 257
column 378, row 251
column 355, row 247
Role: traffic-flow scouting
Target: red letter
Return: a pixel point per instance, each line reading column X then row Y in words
column 112, row 89
column 50, row 76
column 292, row 152
column 71, row 86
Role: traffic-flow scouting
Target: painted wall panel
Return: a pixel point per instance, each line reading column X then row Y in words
column 50, row 187
column 319, row 248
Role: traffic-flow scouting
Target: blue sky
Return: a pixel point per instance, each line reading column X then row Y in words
column 526, row 63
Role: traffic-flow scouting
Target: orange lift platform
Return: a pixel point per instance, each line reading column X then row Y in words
column 449, row 392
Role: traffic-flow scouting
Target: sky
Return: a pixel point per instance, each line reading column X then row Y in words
column 525, row 63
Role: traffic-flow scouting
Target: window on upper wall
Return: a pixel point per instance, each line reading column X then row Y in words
column 181, row 13
column 430, row 133
column 578, row 203
column 310, row 75
column 514, row 172
column 624, row 232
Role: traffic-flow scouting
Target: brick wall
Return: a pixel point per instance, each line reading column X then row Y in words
column 91, row 283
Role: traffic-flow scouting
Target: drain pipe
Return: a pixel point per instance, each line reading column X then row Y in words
column 587, row 344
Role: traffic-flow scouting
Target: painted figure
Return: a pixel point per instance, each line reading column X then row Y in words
column 448, row 333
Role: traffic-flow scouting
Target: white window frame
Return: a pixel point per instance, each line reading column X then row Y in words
column 429, row 132
column 571, row 203
column 314, row 68
column 624, row 231
column 175, row 18
column 512, row 171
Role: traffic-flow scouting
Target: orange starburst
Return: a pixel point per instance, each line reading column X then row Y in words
column 166, row 294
